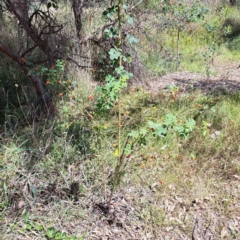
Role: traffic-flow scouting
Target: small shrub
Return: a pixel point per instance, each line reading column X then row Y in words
column 231, row 27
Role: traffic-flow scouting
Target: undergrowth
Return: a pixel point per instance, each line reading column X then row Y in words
column 201, row 43
column 152, row 157
column 79, row 157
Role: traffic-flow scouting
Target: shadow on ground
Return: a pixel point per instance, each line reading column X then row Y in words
column 193, row 81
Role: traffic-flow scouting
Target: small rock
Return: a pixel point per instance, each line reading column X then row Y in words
column 215, row 134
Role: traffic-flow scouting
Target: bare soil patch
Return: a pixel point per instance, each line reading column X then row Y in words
column 226, row 77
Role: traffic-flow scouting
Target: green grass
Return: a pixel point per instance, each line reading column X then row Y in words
column 195, row 167
column 159, row 49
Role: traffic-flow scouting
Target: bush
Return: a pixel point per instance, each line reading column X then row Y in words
column 231, row 27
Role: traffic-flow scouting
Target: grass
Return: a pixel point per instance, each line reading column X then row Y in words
column 160, row 181
column 159, row 48
column 56, row 176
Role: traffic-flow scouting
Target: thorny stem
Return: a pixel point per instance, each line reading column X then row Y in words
column 178, row 54
column 120, row 156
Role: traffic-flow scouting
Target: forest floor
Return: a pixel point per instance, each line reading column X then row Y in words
column 215, row 216
column 172, row 199
column 223, row 75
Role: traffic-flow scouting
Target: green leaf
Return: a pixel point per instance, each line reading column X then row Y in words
column 152, row 125
column 129, row 19
column 125, row 74
column 128, row 149
column 213, row 109
column 161, row 131
column 133, row 134
column 58, row 235
column 110, row 33
column 50, row 232
column 2, row 205
column 127, row 59
column 190, row 124
column 119, row 70
column 180, row 129
column 66, row 109
column 193, row 155
column 114, row 53
column 170, row 119
column 143, row 131
column 28, row 226
column 64, row 236
column 132, row 39
column 26, row 216
column 110, row 11
column 38, row 227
